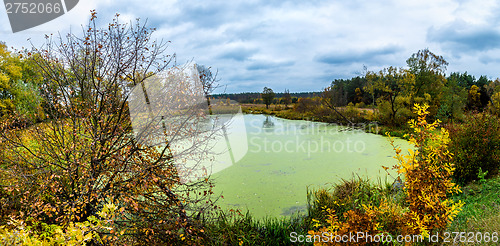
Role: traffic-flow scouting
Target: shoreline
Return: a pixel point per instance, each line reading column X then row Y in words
column 280, row 111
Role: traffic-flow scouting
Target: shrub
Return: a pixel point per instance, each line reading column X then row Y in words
column 306, row 104
column 355, row 205
column 80, row 233
column 360, row 105
column 344, row 196
column 402, row 113
column 370, row 217
column 494, row 104
column 85, row 155
column 427, row 171
column 427, row 183
column 475, row 144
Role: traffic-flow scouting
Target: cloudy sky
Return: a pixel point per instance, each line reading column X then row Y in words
column 300, row 45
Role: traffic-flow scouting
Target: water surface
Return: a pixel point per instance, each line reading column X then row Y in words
column 285, row 157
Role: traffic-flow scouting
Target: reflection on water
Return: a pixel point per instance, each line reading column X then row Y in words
column 285, row 157
column 268, row 124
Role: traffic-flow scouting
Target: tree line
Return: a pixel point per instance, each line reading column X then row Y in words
column 392, row 92
column 256, row 97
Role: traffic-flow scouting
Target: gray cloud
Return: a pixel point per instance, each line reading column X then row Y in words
column 300, row 45
column 460, row 37
column 205, row 16
column 355, row 56
column 237, row 53
column 267, row 65
column 489, row 58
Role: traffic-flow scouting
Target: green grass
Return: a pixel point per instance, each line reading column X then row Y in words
column 234, row 228
column 347, row 195
column 481, row 212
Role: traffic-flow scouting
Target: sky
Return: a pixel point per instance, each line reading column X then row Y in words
column 299, row 45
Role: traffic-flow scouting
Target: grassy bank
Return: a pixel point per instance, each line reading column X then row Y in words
column 479, row 215
column 235, row 228
column 358, row 116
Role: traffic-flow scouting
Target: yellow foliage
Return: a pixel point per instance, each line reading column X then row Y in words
column 474, row 96
column 17, row 233
column 427, row 174
column 494, row 104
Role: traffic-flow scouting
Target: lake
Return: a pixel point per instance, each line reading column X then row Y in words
column 285, row 157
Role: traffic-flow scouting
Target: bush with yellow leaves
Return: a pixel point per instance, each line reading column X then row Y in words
column 79, row 233
column 427, row 172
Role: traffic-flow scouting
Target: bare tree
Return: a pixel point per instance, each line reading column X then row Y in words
column 208, row 80
column 87, row 154
column 330, row 98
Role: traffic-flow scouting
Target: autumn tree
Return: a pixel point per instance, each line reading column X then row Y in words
column 287, row 98
column 19, row 87
column 453, row 101
column 268, row 96
column 494, row 105
column 474, row 97
column 10, row 71
column 429, row 70
column 396, row 87
column 89, row 154
column 427, row 172
column 493, row 90
column 359, row 95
